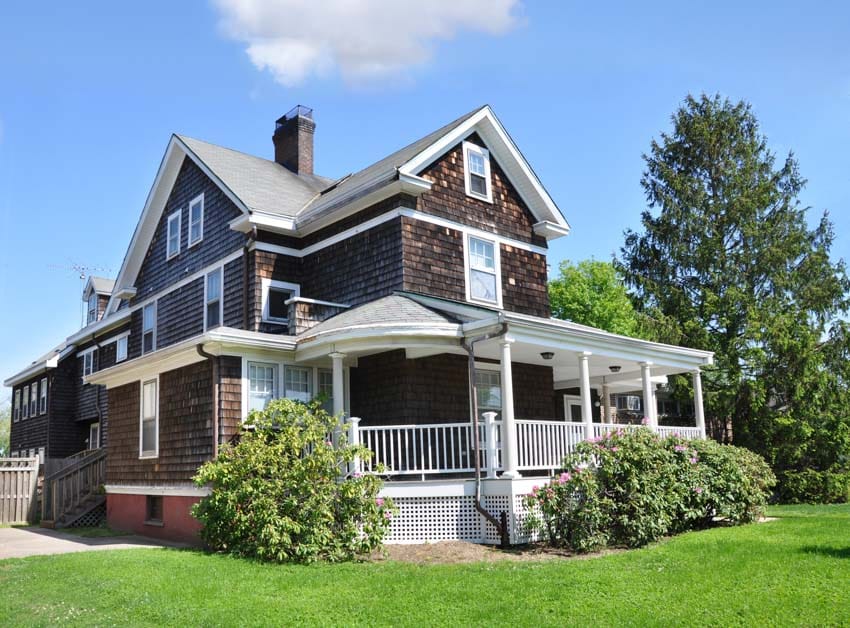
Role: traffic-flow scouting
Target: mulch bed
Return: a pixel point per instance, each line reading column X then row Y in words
column 460, row 552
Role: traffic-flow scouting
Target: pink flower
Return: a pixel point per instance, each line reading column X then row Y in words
column 534, row 490
column 388, row 514
column 697, row 490
column 329, row 443
column 379, row 502
column 550, row 493
column 644, row 420
column 564, row 478
column 615, row 449
column 694, row 460
column 357, row 474
column 680, row 448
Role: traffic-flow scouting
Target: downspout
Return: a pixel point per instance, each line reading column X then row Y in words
column 97, row 395
column 469, row 346
column 249, row 238
column 215, row 412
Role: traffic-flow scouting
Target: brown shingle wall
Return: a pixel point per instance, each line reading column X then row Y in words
column 387, row 389
column 524, row 279
column 433, row 260
column 234, row 284
column 185, row 429
column 230, row 396
column 507, row 215
column 180, row 314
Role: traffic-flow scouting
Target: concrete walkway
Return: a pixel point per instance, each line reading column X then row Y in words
column 22, row 542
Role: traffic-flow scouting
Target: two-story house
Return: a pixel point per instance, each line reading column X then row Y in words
column 411, row 294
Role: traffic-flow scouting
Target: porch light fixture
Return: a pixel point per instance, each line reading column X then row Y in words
column 547, row 355
column 615, row 369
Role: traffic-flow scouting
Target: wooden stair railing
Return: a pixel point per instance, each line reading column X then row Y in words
column 63, row 492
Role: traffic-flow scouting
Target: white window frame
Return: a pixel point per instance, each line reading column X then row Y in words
column 34, row 399
column 25, row 408
column 220, row 272
column 42, row 396
column 94, row 428
column 267, row 286
column 289, row 368
column 627, row 403
column 121, row 354
column 16, row 406
column 469, row 147
column 276, row 384
column 199, row 199
column 153, row 306
column 497, row 270
column 329, row 401
column 143, row 455
column 91, row 315
column 88, row 362
column 178, row 216
column 569, row 401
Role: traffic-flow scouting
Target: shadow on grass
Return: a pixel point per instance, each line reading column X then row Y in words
column 824, row 550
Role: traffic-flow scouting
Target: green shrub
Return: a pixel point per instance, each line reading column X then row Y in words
column 814, row 487
column 632, row 488
column 278, row 494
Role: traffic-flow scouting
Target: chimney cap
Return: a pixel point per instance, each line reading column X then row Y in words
column 298, row 111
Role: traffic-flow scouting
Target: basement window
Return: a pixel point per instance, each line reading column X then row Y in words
column 477, row 172
column 173, row 236
column 275, row 296
column 153, row 510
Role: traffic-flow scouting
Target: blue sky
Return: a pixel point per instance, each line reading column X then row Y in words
column 90, row 93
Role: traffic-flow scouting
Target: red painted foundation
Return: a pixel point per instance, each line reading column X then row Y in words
column 127, row 513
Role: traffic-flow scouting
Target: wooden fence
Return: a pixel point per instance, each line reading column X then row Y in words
column 18, row 482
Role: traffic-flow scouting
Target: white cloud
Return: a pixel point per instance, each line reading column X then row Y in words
column 364, row 39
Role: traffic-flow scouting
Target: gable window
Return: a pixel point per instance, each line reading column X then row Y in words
column 262, row 384
column 94, row 436
column 149, row 328
column 296, row 384
column 16, row 405
column 149, row 423
column 477, row 172
column 92, row 308
column 34, row 400
column 121, row 348
column 482, row 279
column 42, row 398
column 213, row 300
column 173, row 236
column 275, row 296
column 196, row 220
column 25, row 408
column 88, row 363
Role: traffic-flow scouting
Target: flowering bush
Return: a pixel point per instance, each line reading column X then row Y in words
column 278, row 496
column 631, row 488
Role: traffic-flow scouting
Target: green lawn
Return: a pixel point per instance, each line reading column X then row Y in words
column 794, row 571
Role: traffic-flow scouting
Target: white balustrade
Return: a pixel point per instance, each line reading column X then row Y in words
column 691, row 433
column 544, row 444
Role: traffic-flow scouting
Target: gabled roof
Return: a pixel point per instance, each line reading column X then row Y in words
column 99, row 285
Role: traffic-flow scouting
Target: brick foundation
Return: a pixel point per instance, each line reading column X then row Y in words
column 127, row 513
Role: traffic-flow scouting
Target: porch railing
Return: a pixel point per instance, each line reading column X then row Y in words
column 446, row 448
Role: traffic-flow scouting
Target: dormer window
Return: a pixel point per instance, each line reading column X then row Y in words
column 173, row 236
column 477, row 172
column 196, row 220
column 482, row 271
column 275, row 296
column 91, row 317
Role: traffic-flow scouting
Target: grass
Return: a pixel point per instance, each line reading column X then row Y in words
column 93, row 532
column 793, row 571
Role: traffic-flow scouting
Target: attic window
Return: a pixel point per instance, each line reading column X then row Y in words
column 196, row 220
column 477, row 172
column 173, row 241
column 92, row 309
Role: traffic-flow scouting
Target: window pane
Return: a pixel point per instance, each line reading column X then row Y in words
column 121, row 349
column 575, row 412
column 213, row 315
column 147, row 342
column 481, row 254
column 148, row 316
column 476, row 163
column 195, row 217
column 483, row 285
column 478, row 184
column 326, row 389
column 149, row 435
column 261, row 385
column 489, row 390
column 278, row 309
column 213, row 286
column 149, row 400
column 297, row 383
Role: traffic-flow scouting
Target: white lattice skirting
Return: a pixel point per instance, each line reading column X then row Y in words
column 445, row 510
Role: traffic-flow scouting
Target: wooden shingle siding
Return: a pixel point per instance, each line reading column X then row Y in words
column 156, row 273
column 274, row 266
column 180, row 314
column 230, row 396
column 66, row 435
column 29, row 433
column 507, row 215
column 524, row 277
column 387, row 389
column 234, row 293
column 433, row 260
column 185, row 429
column 373, row 211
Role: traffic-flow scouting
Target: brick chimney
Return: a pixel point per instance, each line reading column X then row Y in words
column 293, row 140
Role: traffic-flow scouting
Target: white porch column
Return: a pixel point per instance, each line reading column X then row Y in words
column 586, row 405
column 492, row 448
column 648, row 396
column 338, row 383
column 510, row 451
column 699, row 411
column 606, row 399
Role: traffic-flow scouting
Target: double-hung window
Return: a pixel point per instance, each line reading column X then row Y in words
column 275, row 296
column 213, row 301
column 42, row 398
column 149, row 328
column 488, row 389
column 121, row 348
column 94, row 436
column 88, row 363
column 296, row 383
column 16, row 406
column 34, row 400
column 25, row 408
column 631, row 403
column 477, row 172
column 262, row 385
column 196, row 220
column 149, row 420
column 92, row 308
column 483, row 271
column 172, row 243
column 326, row 389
